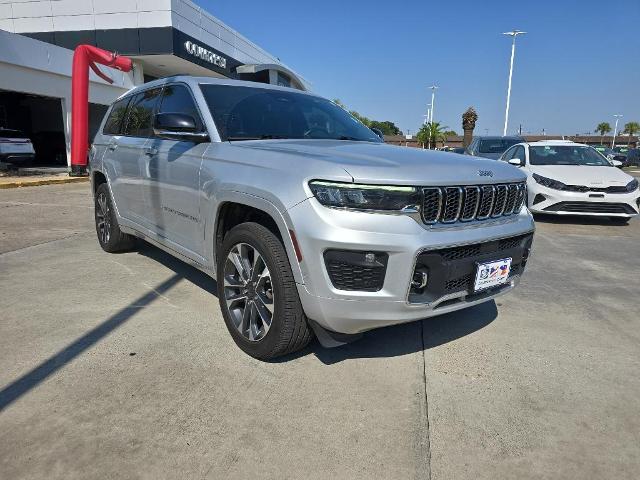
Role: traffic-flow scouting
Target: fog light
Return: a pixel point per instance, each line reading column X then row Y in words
column 420, row 279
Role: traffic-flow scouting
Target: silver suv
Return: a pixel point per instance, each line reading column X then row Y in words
column 307, row 221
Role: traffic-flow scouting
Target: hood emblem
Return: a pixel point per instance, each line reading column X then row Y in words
column 485, row 173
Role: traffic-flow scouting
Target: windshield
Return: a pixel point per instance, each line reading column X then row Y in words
column 496, row 145
column 250, row 113
column 566, row 155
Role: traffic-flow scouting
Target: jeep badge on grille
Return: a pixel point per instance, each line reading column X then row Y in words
column 485, row 173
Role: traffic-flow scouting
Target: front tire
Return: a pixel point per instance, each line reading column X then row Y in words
column 110, row 236
column 258, row 295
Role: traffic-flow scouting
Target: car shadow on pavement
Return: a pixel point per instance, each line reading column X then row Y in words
column 188, row 272
column 406, row 338
column 391, row 341
column 576, row 220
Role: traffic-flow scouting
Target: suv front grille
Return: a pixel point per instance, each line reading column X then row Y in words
column 467, row 203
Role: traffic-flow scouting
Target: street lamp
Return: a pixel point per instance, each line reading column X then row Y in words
column 433, row 101
column 615, row 130
column 427, row 118
column 514, row 34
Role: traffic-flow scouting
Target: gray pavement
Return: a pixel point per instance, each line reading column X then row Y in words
column 120, row 366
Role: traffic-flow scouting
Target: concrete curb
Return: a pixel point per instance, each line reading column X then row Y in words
column 34, row 182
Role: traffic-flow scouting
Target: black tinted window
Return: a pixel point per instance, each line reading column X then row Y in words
column 245, row 113
column 177, row 99
column 140, row 113
column 496, row 145
column 113, row 126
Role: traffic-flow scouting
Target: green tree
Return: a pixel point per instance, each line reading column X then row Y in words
column 431, row 133
column 386, row 127
column 631, row 128
column 603, row 128
column 450, row 133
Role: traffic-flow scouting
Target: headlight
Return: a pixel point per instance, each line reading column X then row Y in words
column 632, row 185
column 364, row 197
column 549, row 182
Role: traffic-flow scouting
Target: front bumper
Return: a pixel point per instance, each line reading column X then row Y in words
column 319, row 229
column 596, row 204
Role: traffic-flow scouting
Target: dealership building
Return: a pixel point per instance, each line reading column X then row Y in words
column 162, row 37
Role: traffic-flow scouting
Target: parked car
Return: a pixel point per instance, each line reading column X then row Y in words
column 491, row 147
column 633, row 158
column 307, row 228
column 566, row 178
column 15, row 148
column 615, row 159
column 459, row 150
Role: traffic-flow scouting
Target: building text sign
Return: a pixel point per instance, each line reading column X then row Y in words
column 204, row 54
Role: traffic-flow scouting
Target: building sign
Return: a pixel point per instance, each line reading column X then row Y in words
column 204, row 54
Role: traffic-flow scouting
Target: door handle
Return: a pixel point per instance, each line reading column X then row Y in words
column 150, row 151
column 112, row 146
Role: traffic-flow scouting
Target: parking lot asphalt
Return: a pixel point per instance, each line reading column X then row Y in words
column 120, row 366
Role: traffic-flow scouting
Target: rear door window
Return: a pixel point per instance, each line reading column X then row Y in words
column 113, row 125
column 140, row 113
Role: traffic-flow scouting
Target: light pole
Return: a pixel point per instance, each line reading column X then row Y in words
column 514, row 34
column 433, row 106
column 615, row 130
column 433, row 101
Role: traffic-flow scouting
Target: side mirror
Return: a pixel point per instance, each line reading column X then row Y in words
column 616, row 163
column 515, row 161
column 178, row 126
column 378, row 132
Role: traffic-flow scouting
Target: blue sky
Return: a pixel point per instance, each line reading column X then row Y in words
column 578, row 65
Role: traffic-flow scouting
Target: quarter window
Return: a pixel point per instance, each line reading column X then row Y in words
column 140, row 113
column 113, row 125
column 178, row 99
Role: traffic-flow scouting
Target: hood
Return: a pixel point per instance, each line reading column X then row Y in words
column 586, row 175
column 379, row 163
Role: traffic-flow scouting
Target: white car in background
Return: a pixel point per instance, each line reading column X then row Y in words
column 567, row 178
column 16, row 148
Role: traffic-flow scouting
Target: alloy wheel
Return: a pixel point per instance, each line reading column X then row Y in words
column 248, row 291
column 103, row 218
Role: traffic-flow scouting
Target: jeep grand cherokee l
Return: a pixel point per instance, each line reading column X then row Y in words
column 308, row 222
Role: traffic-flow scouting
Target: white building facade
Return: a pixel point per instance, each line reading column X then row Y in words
column 162, row 37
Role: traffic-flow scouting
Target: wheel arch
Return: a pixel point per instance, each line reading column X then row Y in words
column 238, row 208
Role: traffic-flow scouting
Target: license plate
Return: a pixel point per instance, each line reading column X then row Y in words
column 492, row 274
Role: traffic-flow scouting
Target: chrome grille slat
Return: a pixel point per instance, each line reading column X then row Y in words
column 486, row 205
column 471, row 203
column 500, row 200
column 451, row 204
column 431, row 204
column 510, row 202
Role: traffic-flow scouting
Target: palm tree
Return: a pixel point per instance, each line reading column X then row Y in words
column 603, row 128
column 430, row 133
column 631, row 128
column 469, row 119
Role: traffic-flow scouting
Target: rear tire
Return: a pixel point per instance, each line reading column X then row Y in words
column 260, row 303
column 110, row 236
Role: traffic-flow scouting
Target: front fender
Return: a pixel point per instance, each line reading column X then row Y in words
column 279, row 216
